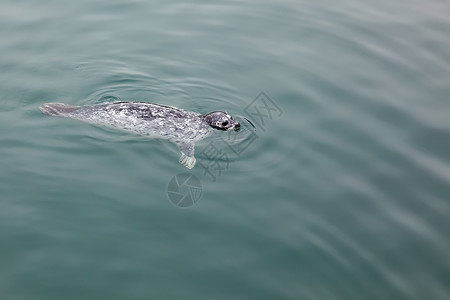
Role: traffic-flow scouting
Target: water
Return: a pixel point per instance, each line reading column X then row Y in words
column 343, row 196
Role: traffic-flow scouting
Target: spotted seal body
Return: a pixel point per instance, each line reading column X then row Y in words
column 157, row 121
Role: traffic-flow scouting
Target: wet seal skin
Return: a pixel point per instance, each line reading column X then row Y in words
column 181, row 127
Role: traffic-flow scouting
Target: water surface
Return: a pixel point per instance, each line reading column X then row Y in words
column 342, row 194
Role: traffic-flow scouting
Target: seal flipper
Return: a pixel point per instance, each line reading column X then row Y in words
column 58, row 109
column 187, row 158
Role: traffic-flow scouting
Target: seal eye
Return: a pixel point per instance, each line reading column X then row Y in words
column 225, row 123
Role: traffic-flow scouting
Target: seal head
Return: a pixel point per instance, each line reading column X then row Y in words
column 221, row 120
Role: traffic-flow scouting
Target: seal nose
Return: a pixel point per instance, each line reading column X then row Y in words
column 237, row 126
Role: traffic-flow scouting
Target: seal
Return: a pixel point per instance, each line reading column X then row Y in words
column 182, row 127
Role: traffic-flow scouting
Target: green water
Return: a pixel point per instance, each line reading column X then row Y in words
column 344, row 193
